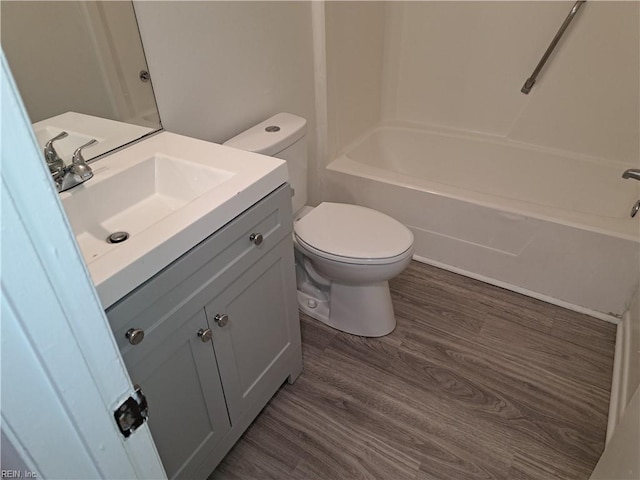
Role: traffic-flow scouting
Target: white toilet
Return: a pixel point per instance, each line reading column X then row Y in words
column 345, row 254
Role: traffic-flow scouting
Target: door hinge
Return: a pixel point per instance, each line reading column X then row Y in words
column 132, row 413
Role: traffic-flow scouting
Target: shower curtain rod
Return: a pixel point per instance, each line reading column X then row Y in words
column 526, row 88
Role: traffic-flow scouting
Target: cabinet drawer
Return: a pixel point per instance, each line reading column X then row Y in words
column 191, row 281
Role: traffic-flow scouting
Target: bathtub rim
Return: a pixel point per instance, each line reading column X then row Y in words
column 484, row 137
column 623, row 228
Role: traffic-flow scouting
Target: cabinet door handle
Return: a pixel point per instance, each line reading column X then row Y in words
column 256, row 238
column 135, row 335
column 205, row 334
column 221, row 319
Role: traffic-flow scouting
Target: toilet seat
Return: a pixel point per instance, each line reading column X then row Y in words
column 354, row 261
column 353, row 234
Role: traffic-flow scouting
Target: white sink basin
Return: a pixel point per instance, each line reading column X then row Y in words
column 134, row 199
column 168, row 193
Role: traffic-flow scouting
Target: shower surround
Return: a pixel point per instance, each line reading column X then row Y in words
column 426, row 122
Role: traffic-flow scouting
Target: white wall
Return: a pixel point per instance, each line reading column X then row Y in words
column 52, row 58
column 462, row 64
column 77, row 56
column 220, row 67
column 355, row 43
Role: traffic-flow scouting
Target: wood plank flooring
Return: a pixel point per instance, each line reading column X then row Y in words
column 476, row 382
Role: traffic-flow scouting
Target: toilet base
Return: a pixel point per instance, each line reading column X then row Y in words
column 364, row 310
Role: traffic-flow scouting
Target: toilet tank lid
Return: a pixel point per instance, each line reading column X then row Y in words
column 353, row 231
column 271, row 136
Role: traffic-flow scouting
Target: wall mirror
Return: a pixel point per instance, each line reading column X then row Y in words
column 80, row 67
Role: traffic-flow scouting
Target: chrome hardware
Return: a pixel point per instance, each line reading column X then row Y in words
column 635, row 208
column 77, row 158
column 256, row 238
column 272, row 129
column 117, row 237
column 135, row 335
column 76, row 173
column 54, row 162
column 632, row 173
column 144, row 76
column 205, row 334
column 221, row 319
column 526, row 88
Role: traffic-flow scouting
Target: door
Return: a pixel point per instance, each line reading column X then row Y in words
column 253, row 341
column 177, row 370
column 62, row 374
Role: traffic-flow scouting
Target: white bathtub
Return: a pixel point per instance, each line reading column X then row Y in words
column 548, row 224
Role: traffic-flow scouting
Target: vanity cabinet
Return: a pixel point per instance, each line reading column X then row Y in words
column 179, row 376
column 221, row 335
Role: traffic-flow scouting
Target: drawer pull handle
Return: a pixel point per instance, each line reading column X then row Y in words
column 221, row 319
column 135, row 335
column 205, row 334
column 256, row 238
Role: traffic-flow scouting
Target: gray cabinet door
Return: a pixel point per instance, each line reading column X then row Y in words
column 255, row 348
column 178, row 374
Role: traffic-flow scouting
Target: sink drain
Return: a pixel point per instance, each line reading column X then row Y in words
column 117, row 237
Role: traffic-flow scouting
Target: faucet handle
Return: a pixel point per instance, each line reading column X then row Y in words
column 77, row 158
column 52, row 158
column 79, row 166
column 60, row 136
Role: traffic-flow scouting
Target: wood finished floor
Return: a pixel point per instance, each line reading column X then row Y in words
column 475, row 382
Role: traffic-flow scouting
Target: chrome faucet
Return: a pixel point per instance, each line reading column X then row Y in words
column 635, row 174
column 632, row 173
column 77, row 172
column 54, row 162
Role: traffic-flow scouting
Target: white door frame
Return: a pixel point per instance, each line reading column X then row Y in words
column 62, row 373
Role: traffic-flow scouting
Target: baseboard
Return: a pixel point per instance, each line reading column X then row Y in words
column 523, row 291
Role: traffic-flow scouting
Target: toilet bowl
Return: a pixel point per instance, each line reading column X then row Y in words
column 345, row 254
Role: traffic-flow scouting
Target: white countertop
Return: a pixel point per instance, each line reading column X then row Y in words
column 117, row 269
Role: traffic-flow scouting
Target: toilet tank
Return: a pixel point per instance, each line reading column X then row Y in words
column 281, row 136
